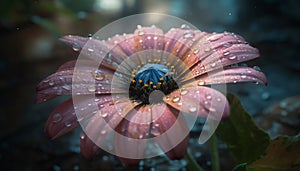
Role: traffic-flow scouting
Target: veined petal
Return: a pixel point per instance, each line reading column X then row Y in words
column 170, row 131
column 63, row 119
column 233, row 75
column 84, row 82
column 107, row 119
column 133, row 132
column 200, row 101
column 87, row 147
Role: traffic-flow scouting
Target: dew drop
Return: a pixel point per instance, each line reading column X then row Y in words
column 213, row 64
column 90, row 50
column 99, row 76
column 207, row 49
column 175, row 99
column 184, row 92
column 256, row 68
column 201, row 82
column 188, row 35
column 82, row 137
column 92, row 89
column 103, row 132
column 141, row 136
column 56, row 118
column 75, row 47
column 155, row 38
column 140, row 33
column 226, row 53
column 66, row 87
column 68, row 124
column 104, row 114
column 192, row 109
column 208, row 97
column 51, row 83
column 148, row 37
column 243, row 76
column 195, row 51
column 185, row 26
column 232, row 57
column 215, row 37
column 138, row 26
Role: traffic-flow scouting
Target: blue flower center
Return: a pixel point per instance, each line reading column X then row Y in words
column 149, row 78
column 152, row 74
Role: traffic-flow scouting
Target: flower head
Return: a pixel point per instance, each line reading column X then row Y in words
column 140, row 83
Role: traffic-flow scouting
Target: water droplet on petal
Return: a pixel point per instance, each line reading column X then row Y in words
column 218, row 99
column 92, row 89
column 82, row 137
column 141, row 136
column 196, row 51
column 213, row 64
column 188, row 34
column 140, row 33
column 243, row 76
column 232, row 57
column 201, row 82
column 68, row 124
column 256, row 68
column 103, row 132
column 75, row 47
column 176, row 99
column 104, row 114
column 207, row 49
column 56, row 118
column 185, row 26
column 192, row 109
column 90, row 50
column 226, row 53
column 99, row 76
column 214, row 37
column 155, row 38
column 184, row 92
column 66, row 87
column 51, row 83
column 208, row 97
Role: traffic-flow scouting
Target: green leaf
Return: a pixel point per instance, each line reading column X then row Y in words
column 244, row 139
column 283, row 154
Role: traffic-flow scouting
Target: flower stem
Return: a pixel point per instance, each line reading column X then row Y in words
column 192, row 164
column 213, row 147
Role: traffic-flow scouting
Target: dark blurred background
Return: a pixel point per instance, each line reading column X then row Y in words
column 30, row 51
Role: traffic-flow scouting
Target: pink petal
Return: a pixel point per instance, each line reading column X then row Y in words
column 106, row 120
column 87, row 147
column 233, row 75
column 200, row 101
column 133, row 132
column 170, row 131
column 85, row 82
column 63, row 119
column 94, row 49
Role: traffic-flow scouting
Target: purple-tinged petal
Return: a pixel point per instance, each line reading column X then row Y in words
column 63, row 119
column 87, row 147
column 170, row 131
column 200, row 101
column 94, row 49
column 84, row 82
column 233, row 75
column 133, row 132
column 107, row 119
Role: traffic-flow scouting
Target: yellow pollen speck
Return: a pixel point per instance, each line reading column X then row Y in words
column 150, row 82
column 140, row 81
column 145, row 85
column 172, row 66
column 172, row 73
column 149, row 61
column 154, row 87
column 133, row 81
column 168, row 64
column 138, row 66
column 161, row 79
column 166, row 74
column 159, row 83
